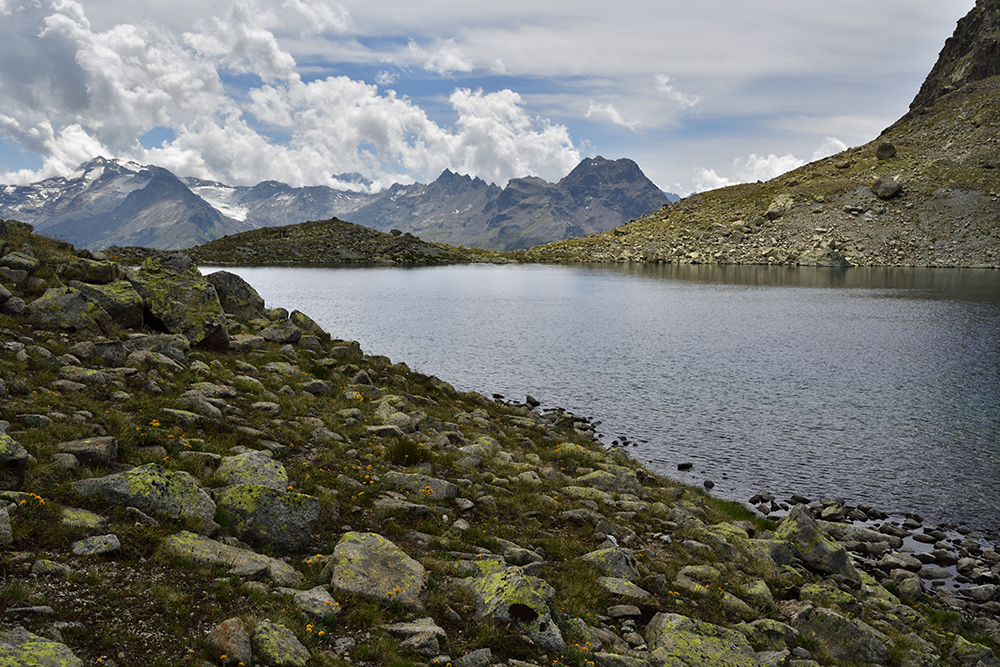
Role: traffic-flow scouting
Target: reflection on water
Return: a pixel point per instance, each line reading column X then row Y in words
column 875, row 385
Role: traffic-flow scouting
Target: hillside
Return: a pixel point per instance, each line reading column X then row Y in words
column 318, row 242
column 924, row 193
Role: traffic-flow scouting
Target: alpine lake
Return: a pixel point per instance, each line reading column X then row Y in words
column 874, row 385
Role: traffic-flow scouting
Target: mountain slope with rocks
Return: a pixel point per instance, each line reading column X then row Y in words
column 924, row 193
column 191, row 477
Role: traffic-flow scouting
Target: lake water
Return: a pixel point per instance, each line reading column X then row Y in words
column 870, row 385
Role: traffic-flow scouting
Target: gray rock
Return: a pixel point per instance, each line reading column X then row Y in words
column 813, row 546
column 253, row 467
column 622, row 588
column 614, row 562
column 275, row 645
column 602, row 659
column 413, row 628
column 306, row 323
column 65, row 309
column 282, row 520
column 237, row 296
column 180, row 300
column 509, row 596
column 12, row 454
column 480, row 658
column 887, row 187
column 315, row 602
column 933, row 572
column 885, row 151
column 242, row 561
column 20, row 647
column 95, row 546
column 678, row 640
column 6, row 531
column 196, row 403
column 99, row 451
column 44, row 566
column 20, row 261
column 13, row 306
column 847, row 639
column 372, row 567
column 282, row 332
column 90, row 271
column 150, row 359
column 156, row 491
column 427, row 487
column 118, row 299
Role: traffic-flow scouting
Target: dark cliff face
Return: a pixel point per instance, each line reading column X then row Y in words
column 972, row 53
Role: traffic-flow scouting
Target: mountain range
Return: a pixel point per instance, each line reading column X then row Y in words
column 114, row 202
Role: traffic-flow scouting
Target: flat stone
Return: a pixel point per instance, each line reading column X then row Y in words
column 95, row 546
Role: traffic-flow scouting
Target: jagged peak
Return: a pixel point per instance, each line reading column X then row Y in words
column 970, row 54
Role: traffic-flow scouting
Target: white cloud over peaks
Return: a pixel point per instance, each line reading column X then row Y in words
column 755, row 167
column 607, row 112
column 664, row 88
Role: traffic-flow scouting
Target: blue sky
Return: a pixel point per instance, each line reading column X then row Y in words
column 698, row 94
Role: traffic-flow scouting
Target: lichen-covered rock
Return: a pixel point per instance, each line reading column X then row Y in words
column 846, row 639
column 813, row 546
column 622, row 588
column 66, row 309
column 178, row 299
column 614, row 562
column 253, row 467
column 372, row 567
column 100, row 451
column 237, row 296
column 152, row 489
column 12, row 453
column 20, row 648
column 971, row 654
column 118, row 299
column 769, row 635
column 430, row 487
column 510, row 596
column 20, row 261
column 275, row 645
column 90, row 271
column 281, row 520
column 306, row 323
column 282, row 332
column 316, row 602
column 616, row 479
column 678, row 641
column 242, row 561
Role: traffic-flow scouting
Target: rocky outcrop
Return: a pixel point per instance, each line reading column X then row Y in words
column 179, row 300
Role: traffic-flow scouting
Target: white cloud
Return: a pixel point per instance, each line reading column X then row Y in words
column 445, row 60
column 830, row 146
column 95, row 92
column 664, row 88
column 606, row 111
column 317, row 17
column 384, row 78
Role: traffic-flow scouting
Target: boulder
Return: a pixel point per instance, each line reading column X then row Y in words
column 885, row 151
column 66, row 309
column 614, row 562
column 427, row 487
column 306, row 323
column 810, row 543
column 12, row 454
column 100, row 451
column 178, row 299
column 230, row 638
column 253, row 467
column 90, row 271
column 315, row 602
column 154, row 491
column 118, row 299
column 509, row 596
column 19, row 261
column 242, row 561
column 237, row 296
column 847, row 639
column 277, row 646
column 282, row 332
column 281, row 520
column 887, row 187
column 20, row 647
column 681, row 641
column 372, row 567
column 779, row 206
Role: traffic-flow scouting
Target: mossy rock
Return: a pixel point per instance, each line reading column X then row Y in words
column 66, row 309
column 372, row 567
column 281, row 520
column 118, row 299
column 680, row 641
column 511, row 597
column 253, row 467
column 275, row 645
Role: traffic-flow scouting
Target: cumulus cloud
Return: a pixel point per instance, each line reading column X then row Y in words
column 830, row 146
column 384, row 78
column 83, row 92
column 606, row 111
column 664, row 88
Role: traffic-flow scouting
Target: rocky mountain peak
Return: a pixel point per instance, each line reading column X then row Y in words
column 972, row 53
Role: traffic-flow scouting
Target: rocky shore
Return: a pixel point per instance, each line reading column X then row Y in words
column 191, row 478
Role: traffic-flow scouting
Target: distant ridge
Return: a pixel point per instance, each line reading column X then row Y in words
column 112, row 202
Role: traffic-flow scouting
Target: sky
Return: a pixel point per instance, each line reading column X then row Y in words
column 699, row 94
